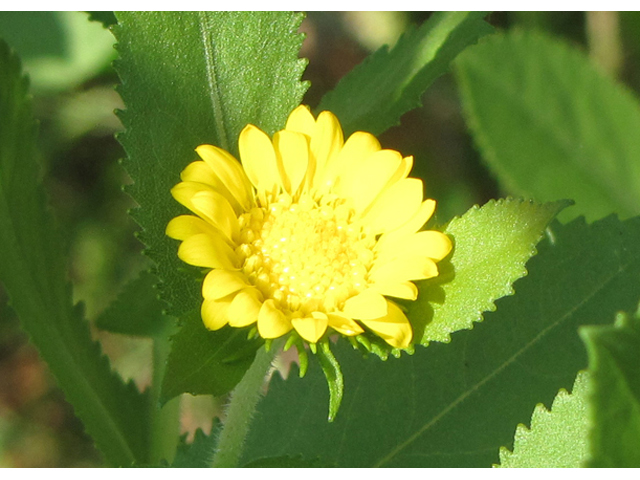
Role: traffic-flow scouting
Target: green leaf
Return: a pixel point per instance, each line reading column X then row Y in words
column 60, row 50
column 550, row 126
column 285, row 462
column 33, row 270
column 614, row 360
column 491, row 246
column 199, row 452
column 107, row 19
column 203, row 362
column 557, row 438
column 454, row 405
column 374, row 95
column 137, row 310
column 192, row 78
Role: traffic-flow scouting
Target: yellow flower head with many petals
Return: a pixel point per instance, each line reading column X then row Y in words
column 310, row 233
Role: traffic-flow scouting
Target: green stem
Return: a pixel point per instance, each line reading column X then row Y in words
column 242, row 406
column 165, row 420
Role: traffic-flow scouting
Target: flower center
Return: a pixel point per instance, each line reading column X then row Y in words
column 306, row 256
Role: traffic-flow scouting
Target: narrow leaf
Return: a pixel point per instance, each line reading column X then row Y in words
column 374, row 95
column 33, row 270
column 190, row 78
column 454, row 405
column 557, row 438
column 550, row 126
column 614, row 359
column 492, row 245
column 333, row 374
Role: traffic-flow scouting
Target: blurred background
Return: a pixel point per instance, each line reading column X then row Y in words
column 68, row 59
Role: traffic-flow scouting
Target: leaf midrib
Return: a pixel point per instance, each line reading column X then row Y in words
column 461, row 398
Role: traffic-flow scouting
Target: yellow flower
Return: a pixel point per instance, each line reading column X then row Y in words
column 310, row 232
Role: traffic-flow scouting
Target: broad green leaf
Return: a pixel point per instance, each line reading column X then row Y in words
column 137, row 310
column 550, row 126
column 191, row 78
column 60, row 50
column 454, row 405
column 374, row 95
column 492, row 243
column 557, row 438
column 33, row 270
column 203, row 362
column 614, row 360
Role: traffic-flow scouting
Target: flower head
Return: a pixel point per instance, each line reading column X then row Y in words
column 310, row 232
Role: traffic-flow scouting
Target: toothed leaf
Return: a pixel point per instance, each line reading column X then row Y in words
column 33, row 269
column 556, row 438
column 374, row 95
column 191, row 78
column 492, row 243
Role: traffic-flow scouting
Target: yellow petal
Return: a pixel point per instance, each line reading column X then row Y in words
column 272, row 323
column 358, row 147
column 344, row 325
column 311, row 328
column 185, row 226
column 184, row 192
column 209, row 251
column 292, row 149
column 406, row 290
column 368, row 304
column 216, row 209
column 363, row 183
column 326, row 143
column 214, row 312
column 404, row 269
column 201, row 172
column 394, row 327
column 395, row 206
column 244, row 308
column 429, row 243
column 230, row 172
column 259, row 158
column 220, row 283
column 301, row 120
column 421, row 217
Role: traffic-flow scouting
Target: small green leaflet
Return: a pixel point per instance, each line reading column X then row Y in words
column 492, row 243
column 550, row 125
column 390, row 82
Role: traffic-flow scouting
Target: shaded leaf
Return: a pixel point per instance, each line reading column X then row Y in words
column 190, row 78
column 285, row 462
column 492, row 243
column 550, row 125
column 137, row 310
column 390, row 82
column 454, row 405
column 614, row 360
column 198, row 453
column 33, row 269
column 557, row 438
column 203, row 362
